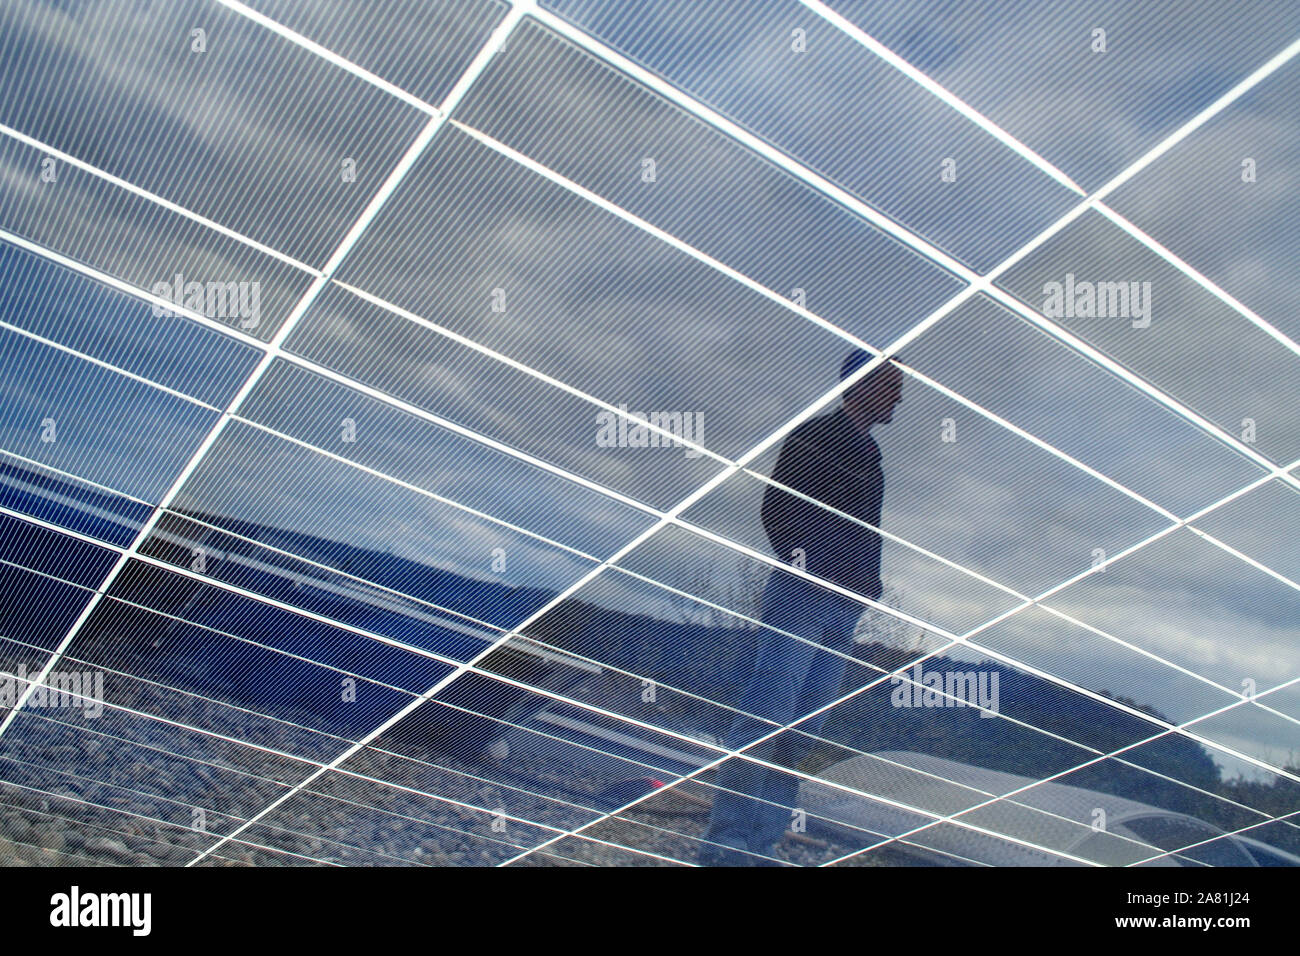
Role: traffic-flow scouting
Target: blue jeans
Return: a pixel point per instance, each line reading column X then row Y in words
column 790, row 679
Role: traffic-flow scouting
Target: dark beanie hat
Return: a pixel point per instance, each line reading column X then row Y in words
column 854, row 361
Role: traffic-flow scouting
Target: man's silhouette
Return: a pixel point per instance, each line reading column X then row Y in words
column 833, row 460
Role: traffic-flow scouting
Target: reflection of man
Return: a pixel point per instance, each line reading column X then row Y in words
column 832, row 459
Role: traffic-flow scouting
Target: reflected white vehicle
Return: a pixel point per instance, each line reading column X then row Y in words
column 1047, row 824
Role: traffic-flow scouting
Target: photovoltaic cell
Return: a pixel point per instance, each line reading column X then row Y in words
column 432, row 525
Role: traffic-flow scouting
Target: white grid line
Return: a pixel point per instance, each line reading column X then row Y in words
column 931, row 86
column 1095, row 203
column 985, row 282
column 334, row 376
column 1031, row 785
column 657, row 730
column 141, row 193
column 274, row 348
column 528, row 687
column 311, row 46
column 928, row 83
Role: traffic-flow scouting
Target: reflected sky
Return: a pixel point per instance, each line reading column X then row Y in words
column 140, row 83
column 1225, row 201
column 707, row 189
column 490, row 300
column 1190, row 344
column 643, row 324
column 820, row 105
column 1089, row 113
column 417, row 46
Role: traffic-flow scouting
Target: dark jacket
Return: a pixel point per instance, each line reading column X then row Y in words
column 828, row 459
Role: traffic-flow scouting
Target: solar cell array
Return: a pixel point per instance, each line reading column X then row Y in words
column 389, row 394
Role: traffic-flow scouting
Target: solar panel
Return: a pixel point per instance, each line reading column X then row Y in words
column 575, row 433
